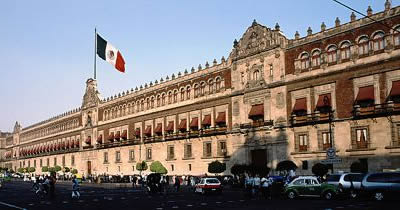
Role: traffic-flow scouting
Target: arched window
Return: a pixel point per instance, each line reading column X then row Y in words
column 218, row 84
column 163, row 99
column 256, row 75
column 316, row 58
column 142, row 105
column 158, row 100
column 148, row 103
column 345, row 51
column 188, row 92
column 332, row 54
column 170, row 97
column 210, row 86
column 175, row 96
column 182, row 94
column 202, row 88
column 396, row 36
column 152, row 102
column 123, row 110
column 363, row 48
column 137, row 106
column 196, row 90
column 379, row 41
column 304, row 61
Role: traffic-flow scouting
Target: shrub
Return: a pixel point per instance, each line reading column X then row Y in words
column 157, row 167
column 216, row 167
column 57, row 168
column 238, row 169
column 142, row 166
column 45, row 169
column 319, row 169
column 21, row 170
column 52, row 170
column 286, row 165
column 32, row 169
column 74, row 171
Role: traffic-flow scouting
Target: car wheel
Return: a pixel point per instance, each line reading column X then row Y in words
column 291, row 194
column 378, row 196
column 328, row 195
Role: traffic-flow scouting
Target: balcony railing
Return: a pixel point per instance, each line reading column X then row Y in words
column 313, row 118
column 256, row 124
column 118, row 143
column 376, row 110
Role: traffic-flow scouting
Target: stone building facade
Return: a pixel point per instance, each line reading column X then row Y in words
column 272, row 99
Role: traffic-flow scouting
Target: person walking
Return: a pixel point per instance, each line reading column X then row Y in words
column 264, row 187
column 53, row 181
column 75, row 188
column 177, row 183
column 134, row 180
column 256, row 185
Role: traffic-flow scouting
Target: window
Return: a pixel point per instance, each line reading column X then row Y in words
column 170, row 98
column 72, row 160
column 133, row 168
column 190, row 167
column 152, row 102
column 34, row 163
column 304, row 61
column 316, row 58
column 158, row 101
column 171, row 152
column 304, row 164
column 196, row 90
column 222, row 148
column 175, row 96
column 363, row 48
column 106, row 157
column 48, row 162
column 361, row 138
column 210, row 86
column 163, row 99
column 326, row 140
column 379, row 41
column 345, row 51
column 302, row 142
column 188, row 92
column 332, row 54
column 298, row 182
column 271, row 70
column 55, row 161
column 172, row 167
column 202, row 88
column 188, row 151
column 118, row 156
column 396, row 36
column 207, row 152
column 142, row 105
column 131, row 155
column 148, row 103
column 63, row 160
column 148, row 154
column 182, row 94
column 256, row 75
column 218, row 84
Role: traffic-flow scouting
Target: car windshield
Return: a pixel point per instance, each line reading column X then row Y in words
column 212, row 181
column 353, row 177
column 333, row 178
column 299, row 182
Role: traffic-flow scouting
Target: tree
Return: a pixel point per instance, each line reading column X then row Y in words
column 257, row 169
column 216, row 167
column 238, row 169
column 74, row 171
column 142, row 166
column 31, row 169
column 57, row 168
column 286, row 165
column 45, row 169
column 157, row 167
column 319, row 169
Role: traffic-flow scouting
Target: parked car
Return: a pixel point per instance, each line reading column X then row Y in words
column 347, row 183
column 381, row 185
column 311, row 187
column 207, row 185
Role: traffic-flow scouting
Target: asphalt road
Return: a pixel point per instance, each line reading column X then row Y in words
column 18, row 195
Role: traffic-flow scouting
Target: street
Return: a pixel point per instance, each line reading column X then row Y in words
column 17, row 195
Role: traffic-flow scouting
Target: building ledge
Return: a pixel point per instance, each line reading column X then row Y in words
column 188, row 158
column 361, row 150
column 301, row 153
column 170, row 159
column 392, row 147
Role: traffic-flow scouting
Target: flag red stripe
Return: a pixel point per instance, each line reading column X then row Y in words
column 120, row 63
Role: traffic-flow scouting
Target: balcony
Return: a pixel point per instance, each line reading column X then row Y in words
column 118, row 143
column 311, row 119
column 257, row 124
column 376, row 110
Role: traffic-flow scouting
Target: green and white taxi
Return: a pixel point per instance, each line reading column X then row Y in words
column 309, row 186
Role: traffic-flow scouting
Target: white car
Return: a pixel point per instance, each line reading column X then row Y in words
column 207, row 185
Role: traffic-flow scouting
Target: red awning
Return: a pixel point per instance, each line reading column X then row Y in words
column 147, row 132
column 77, row 143
column 366, row 93
column 221, row 118
column 194, row 123
column 67, row 144
column 124, row 134
column 137, row 132
column 158, row 129
column 111, row 136
column 324, row 100
column 300, row 104
column 118, row 135
column 182, row 124
column 88, row 140
column 170, row 126
column 206, row 120
column 256, row 110
column 100, row 139
column 72, row 143
column 395, row 88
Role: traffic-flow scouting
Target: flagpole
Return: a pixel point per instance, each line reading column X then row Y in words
column 95, row 51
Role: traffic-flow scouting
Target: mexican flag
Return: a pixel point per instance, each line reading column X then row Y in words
column 110, row 54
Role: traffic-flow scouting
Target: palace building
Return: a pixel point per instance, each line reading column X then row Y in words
column 272, row 99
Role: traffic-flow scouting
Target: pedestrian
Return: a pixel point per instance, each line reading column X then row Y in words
column 249, row 185
column 134, row 180
column 53, row 181
column 75, row 188
column 177, row 183
column 256, row 185
column 264, row 187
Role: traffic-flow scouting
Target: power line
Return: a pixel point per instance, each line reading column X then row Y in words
column 380, row 22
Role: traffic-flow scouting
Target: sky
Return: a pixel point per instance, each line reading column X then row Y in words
column 47, row 47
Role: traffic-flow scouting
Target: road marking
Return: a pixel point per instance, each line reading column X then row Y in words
column 175, row 207
column 95, row 200
column 12, row 206
column 218, row 202
column 159, row 208
column 65, row 202
column 189, row 205
column 203, row 204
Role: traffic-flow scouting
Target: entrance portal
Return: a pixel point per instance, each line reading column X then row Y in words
column 259, row 157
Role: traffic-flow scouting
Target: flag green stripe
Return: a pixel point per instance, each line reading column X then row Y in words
column 101, row 47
